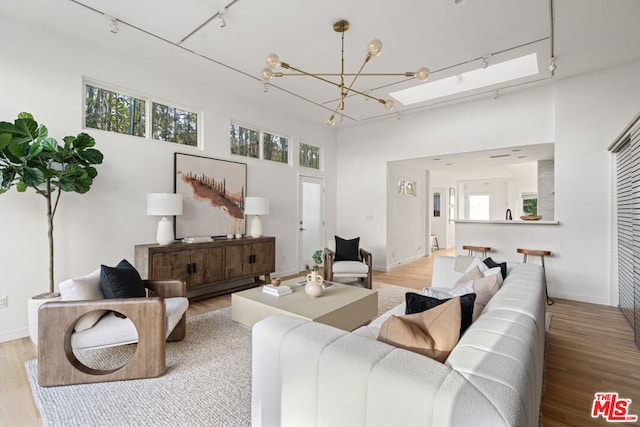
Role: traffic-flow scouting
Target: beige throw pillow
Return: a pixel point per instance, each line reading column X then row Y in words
column 472, row 274
column 433, row 333
column 84, row 288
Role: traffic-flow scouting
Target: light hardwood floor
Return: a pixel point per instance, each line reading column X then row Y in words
column 591, row 350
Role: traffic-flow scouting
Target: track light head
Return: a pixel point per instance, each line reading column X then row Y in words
column 552, row 64
column 113, row 24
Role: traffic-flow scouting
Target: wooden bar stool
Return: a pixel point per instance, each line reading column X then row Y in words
column 472, row 249
column 541, row 254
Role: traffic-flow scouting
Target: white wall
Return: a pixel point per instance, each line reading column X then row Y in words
column 406, row 233
column 42, row 73
column 582, row 115
column 363, row 151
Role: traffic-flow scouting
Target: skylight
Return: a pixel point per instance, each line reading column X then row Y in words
column 483, row 77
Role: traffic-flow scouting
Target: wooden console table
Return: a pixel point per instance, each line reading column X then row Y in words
column 210, row 268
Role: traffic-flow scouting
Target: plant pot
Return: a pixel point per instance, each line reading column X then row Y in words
column 34, row 304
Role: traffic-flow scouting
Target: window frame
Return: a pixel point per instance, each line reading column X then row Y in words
column 261, row 132
column 320, row 156
column 148, row 112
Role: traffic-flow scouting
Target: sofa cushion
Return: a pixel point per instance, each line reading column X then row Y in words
column 121, row 281
column 433, row 333
column 416, row 303
column 350, row 267
column 83, row 288
column 503, row 266
column 347, row 250
column 112, row 330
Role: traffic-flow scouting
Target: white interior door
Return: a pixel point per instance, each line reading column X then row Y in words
column 311, row 220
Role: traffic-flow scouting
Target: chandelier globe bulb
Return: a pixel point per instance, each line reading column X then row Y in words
column 330, row 121
column 374, row 48
column 267, row 74
column 423, row 73
column 388, row 104
column 272, row 60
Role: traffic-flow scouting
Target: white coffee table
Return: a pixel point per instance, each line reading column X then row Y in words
column 343, row 306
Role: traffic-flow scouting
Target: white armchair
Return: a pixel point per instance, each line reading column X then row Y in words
column 344, row 259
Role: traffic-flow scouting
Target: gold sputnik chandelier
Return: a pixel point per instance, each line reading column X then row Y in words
column 373, row 49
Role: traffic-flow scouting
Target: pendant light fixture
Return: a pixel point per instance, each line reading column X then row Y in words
column 373, row 49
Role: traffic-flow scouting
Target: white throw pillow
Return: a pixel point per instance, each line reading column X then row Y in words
column 477, row 262
column 84, row 288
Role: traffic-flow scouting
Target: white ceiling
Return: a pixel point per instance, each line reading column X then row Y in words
column 586, row 35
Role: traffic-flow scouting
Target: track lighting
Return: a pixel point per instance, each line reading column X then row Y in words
column 552, row 64
column 113, row 24
column 221, row 20
column 485, row 62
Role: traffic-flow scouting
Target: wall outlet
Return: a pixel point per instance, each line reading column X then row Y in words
column 4, row 299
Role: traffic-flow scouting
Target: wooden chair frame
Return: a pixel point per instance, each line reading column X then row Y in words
column 57, row 364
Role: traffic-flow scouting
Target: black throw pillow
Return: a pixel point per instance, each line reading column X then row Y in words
column 503, row 266
column 347, row 250
column 417, row 303
column 121, row 281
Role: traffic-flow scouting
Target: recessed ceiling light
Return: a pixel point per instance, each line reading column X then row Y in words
column 513, row 69
column 436, row 159
column 515, row 150
column 448, row 164
column 522, row 157
column 497, row 156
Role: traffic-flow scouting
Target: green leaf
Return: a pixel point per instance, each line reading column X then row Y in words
column 43, row 132
column 21, row 187
column 84, row 140
column 24, row 115
column 50, row 144
column 27, row 128
column 6, row 127
column 35, row 149
column 17, row 149
column 92, row 156
column 32, row 177
column 5, row 139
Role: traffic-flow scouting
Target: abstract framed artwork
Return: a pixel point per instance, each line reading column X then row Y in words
column 213, row 191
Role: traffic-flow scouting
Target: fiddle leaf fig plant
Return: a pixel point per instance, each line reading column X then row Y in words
column 317, row 261
column 30, row 158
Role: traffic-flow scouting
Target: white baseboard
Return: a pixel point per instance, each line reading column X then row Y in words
column 14, row 335
column 580, row 297
column 390, row 267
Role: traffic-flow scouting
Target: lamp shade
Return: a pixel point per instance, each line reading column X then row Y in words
column 164, row 204
column 256, row 206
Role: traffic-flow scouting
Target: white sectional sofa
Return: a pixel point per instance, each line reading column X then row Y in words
column 310, row 374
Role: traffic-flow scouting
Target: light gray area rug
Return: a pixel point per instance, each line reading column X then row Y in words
column 207, row 383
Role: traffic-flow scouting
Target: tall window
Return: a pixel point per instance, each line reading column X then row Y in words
column 114, row 112
column 309, row 156
column 275, row 148
column 479, row 206
column 244, row 141
column 174, row 125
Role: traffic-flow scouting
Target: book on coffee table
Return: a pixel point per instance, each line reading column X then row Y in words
column 277, row 290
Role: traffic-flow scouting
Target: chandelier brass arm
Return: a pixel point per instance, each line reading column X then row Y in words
column 373, row 49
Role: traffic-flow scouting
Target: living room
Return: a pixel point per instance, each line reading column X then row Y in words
column 44, row 69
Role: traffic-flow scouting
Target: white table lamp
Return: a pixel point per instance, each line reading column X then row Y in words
column 164, row 205
column 256, row 206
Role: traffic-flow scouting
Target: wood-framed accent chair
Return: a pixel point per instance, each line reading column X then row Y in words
column 150, row 321
column 357, row 267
